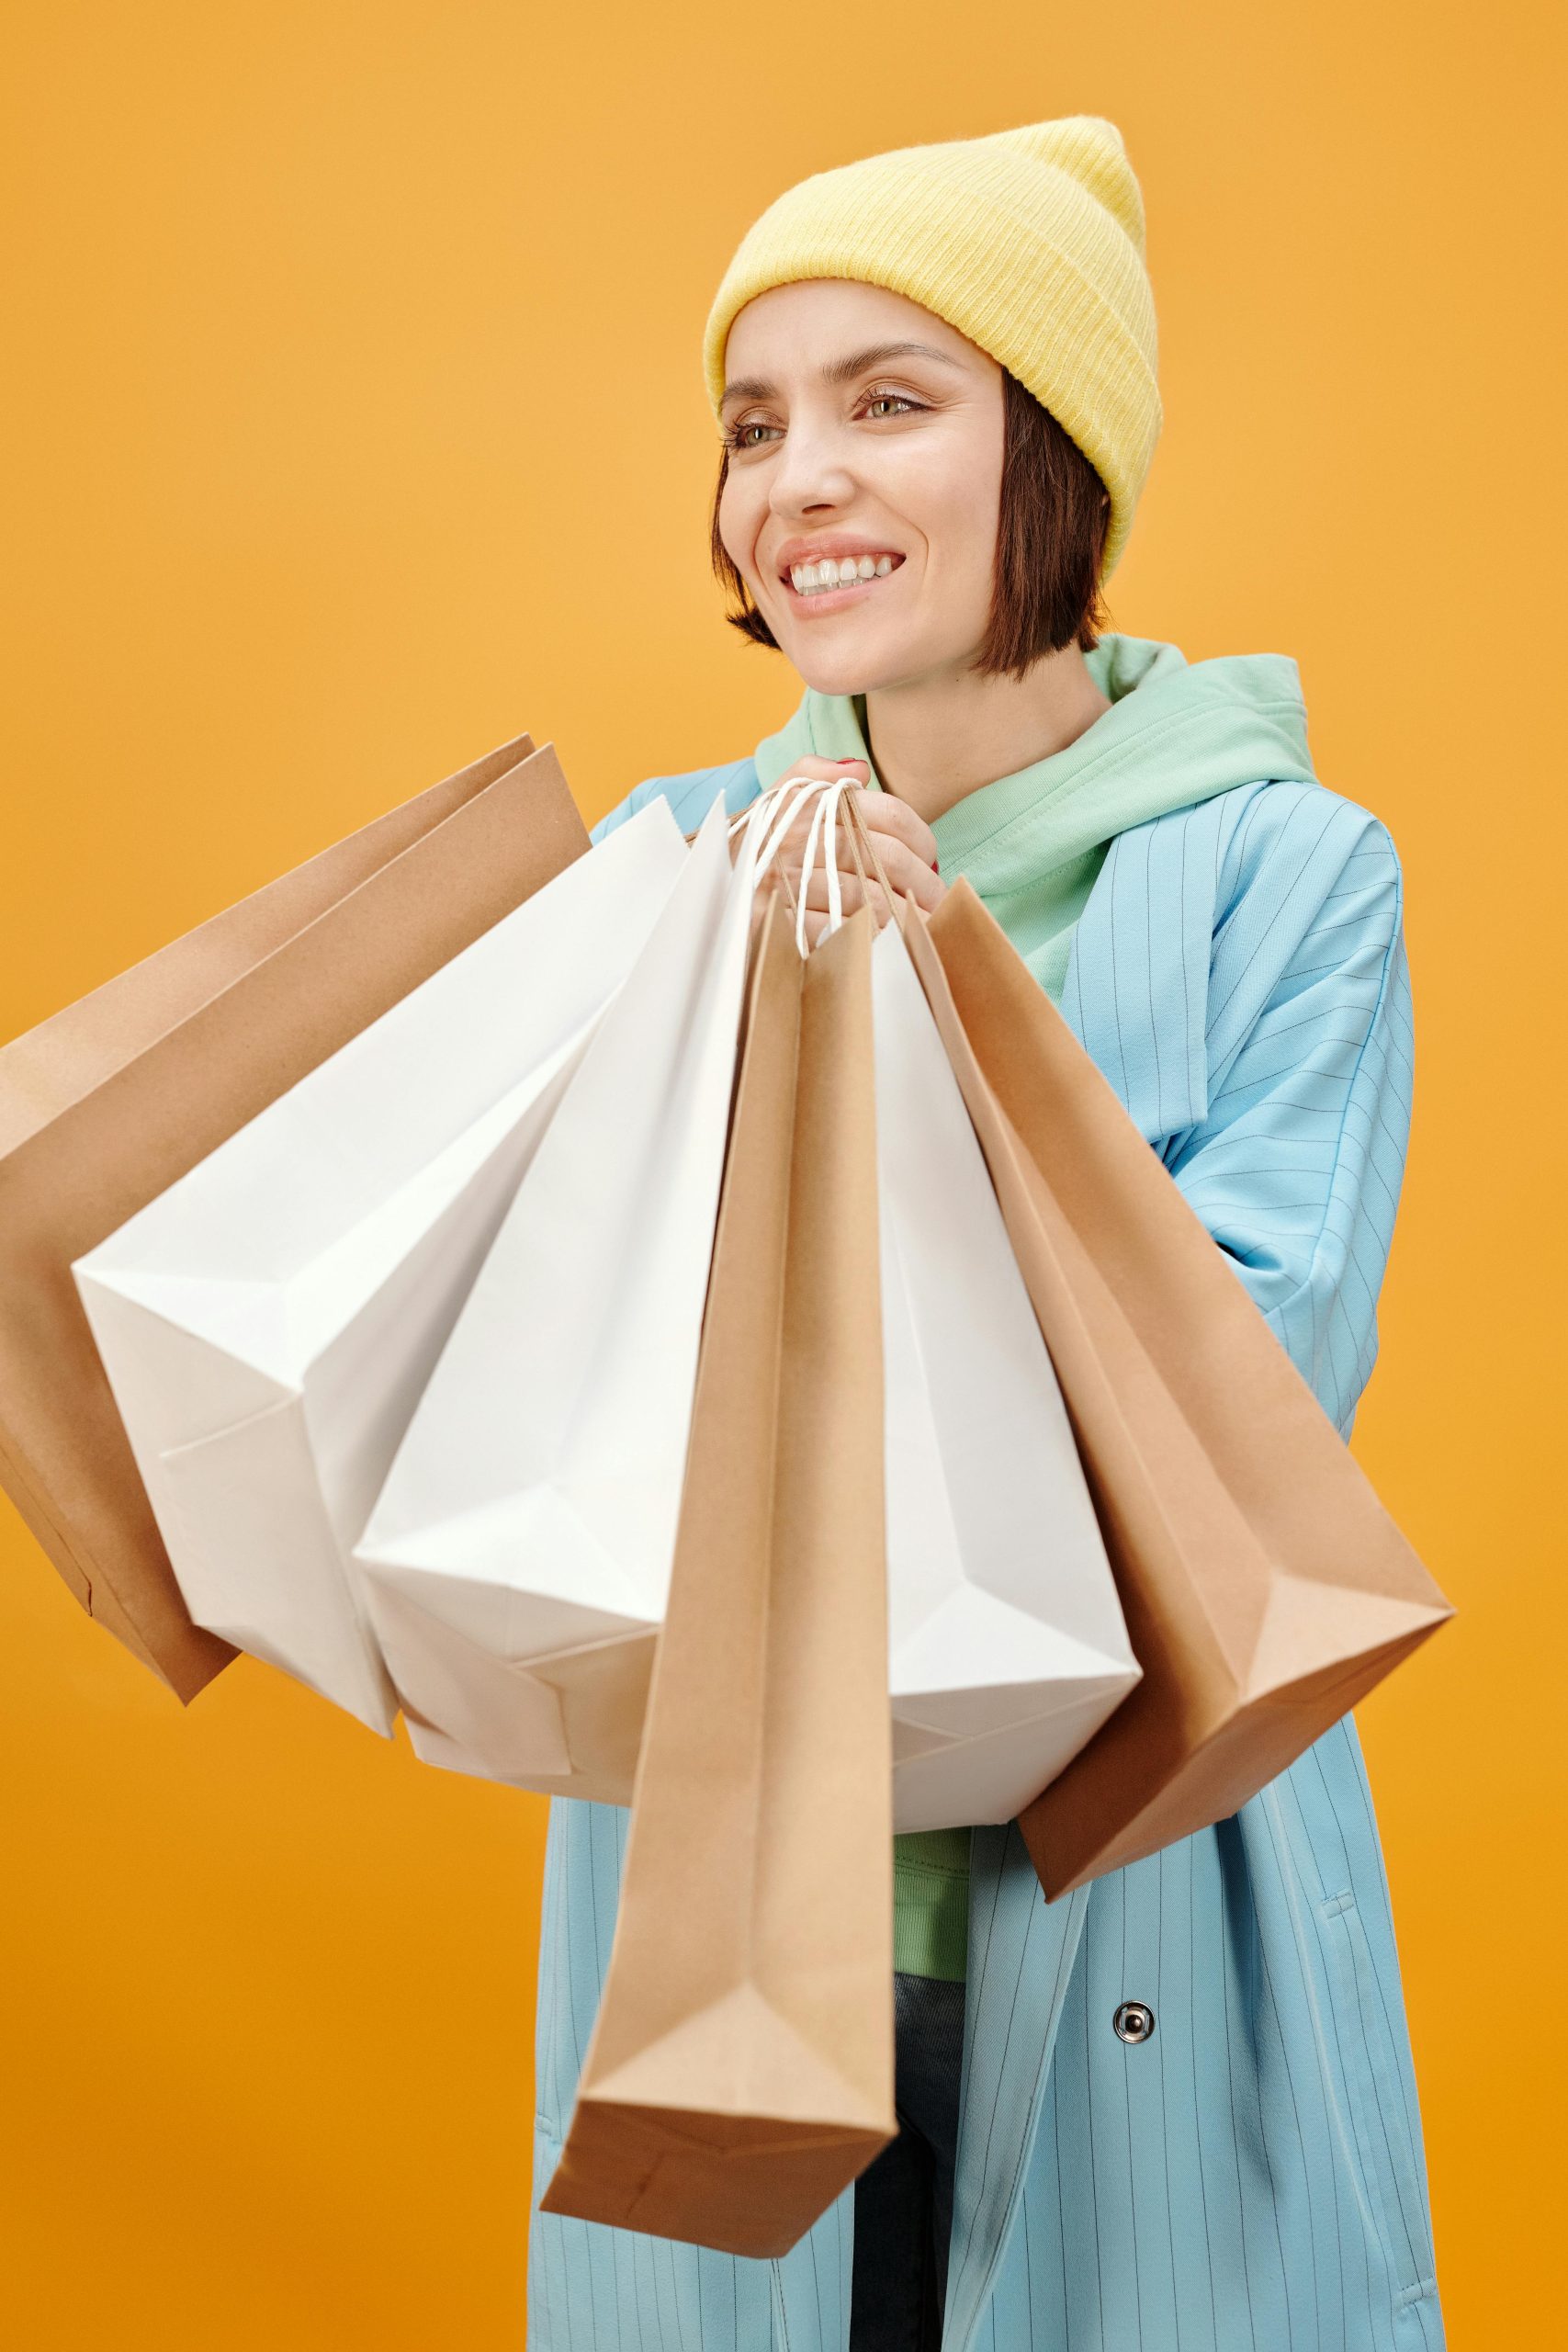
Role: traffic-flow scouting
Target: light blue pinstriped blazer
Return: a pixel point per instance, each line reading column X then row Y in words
column 1251, row 2178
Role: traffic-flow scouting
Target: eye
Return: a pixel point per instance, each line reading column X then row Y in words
column 890, row 403
column 740, row 436
column 881, row 407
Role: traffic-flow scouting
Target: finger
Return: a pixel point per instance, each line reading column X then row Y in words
column 907, row 873
column 814, row 891
column 853, row 891
column 853, row 898
column 914, row 882
column 812, row 765
column 801, row 837
column 884, row 814
column 820, row 771
column 813, row 770
column 907, row 869
column 818, row 925
column 799, row 830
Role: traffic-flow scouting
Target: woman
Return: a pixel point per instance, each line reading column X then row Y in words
column 1175, row 2109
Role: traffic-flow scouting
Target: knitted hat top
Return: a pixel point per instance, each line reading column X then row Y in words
column 1028, row 242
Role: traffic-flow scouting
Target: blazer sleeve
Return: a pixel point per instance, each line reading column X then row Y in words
column 1297, row 1164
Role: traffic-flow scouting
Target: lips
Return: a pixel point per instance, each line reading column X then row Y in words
column 829, row 572
column 817, row 546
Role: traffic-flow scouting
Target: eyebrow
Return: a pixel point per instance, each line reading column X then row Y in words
column 839, row 371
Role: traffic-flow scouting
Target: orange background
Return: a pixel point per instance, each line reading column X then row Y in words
column 354, row 422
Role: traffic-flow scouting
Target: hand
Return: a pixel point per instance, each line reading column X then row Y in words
column 904, row 842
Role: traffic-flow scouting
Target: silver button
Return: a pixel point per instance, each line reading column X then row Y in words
column 1133, row 2021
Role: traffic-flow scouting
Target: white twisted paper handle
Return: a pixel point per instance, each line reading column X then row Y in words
column 766, row 825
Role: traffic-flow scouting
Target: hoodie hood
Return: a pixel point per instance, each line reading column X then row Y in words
column 1032, row 844
column 1177, row 732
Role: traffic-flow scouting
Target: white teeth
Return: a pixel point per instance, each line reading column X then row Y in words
column 832, row 571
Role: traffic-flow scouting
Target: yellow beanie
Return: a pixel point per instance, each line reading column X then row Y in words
column 1030, row 241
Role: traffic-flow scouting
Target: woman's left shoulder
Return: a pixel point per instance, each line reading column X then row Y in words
column 1308, row 916
column 691, row 794
column 1298, row 841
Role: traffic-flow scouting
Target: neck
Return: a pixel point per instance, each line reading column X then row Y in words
column 936, row 739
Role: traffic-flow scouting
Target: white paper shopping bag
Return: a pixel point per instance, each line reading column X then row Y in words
column 518, row 1559
column 269, row 1322
column 1007, row 1643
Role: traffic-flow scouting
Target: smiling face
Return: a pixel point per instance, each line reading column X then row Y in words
column 861, row 430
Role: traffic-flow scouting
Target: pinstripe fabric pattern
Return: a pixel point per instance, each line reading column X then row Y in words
column 1251, row 2178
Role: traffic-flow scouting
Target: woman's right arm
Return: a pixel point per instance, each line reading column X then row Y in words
column 690, row 795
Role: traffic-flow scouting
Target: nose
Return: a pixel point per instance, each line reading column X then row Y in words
column 811, row 477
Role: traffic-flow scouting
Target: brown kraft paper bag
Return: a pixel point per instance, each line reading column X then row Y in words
column 103, row 1107
column 1266, row 1590
column 741, row 2071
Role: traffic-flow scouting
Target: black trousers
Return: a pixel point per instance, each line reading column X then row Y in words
column 904, row 2199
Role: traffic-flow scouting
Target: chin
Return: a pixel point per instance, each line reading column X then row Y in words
column 831, row 670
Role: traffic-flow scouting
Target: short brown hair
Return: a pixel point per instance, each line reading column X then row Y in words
column 1050, row 526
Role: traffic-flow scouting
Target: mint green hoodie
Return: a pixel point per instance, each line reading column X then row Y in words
column 1032, row 845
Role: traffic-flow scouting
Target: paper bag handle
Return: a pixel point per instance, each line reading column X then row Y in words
column 770, row 818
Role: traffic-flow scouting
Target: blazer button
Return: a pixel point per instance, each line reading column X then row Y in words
column 1133, row 2021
